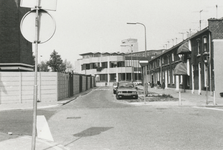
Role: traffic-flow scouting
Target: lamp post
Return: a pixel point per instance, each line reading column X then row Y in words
column 135, row 23
column 145, row 83
column 132, row 67
column 206, row 62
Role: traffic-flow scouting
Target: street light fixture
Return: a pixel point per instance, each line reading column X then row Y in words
column 135, row 23
column 145, row 84
column 206, row 62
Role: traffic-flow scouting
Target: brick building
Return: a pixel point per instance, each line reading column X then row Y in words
column 15, row 51
column 200, row 57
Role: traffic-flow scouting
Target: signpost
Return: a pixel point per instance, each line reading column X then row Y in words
column 144, row 63
column 34, row 30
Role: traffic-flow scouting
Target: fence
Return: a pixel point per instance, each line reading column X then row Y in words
column 18, row 87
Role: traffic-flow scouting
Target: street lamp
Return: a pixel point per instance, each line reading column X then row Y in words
column 145, row 84
column 135, row 23
column 206, row 62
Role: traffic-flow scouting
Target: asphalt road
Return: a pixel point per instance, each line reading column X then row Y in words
column 97, row 121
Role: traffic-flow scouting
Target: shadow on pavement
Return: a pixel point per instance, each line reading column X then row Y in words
column 92, row 131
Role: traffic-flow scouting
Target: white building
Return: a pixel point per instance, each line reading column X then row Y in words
column 109, row 67
column 129, row 45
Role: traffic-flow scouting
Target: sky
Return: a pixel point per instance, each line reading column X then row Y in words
column 84, row 26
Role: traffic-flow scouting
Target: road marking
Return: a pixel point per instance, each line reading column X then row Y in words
column 43, row 130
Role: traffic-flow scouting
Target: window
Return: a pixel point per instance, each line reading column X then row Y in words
column 198, row 47
column 168, row 59
column 83, row 67
column 162, row 60
column 104, row 65
column 87, row 66
column 172, row 56
column 205, row 44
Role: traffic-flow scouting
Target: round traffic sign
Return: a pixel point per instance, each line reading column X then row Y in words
column 47, row 26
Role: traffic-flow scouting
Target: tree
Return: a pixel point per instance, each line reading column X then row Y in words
column 68, row 65
column 56, row 63
column 43, row 67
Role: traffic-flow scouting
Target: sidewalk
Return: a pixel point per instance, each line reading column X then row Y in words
column 187, row 98
column 24, row 142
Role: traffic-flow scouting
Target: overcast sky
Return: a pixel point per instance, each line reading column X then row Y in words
column 100, row 25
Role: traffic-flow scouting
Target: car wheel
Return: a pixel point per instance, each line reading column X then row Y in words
column 114, row 92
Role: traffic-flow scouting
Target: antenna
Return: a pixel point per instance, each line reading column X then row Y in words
column 182, row 35
column 200, row 21
column 216, row 11
column 200, row 18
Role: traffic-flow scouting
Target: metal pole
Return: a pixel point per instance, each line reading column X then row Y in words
column 180, row 102
column 145, row 70
column 206, row 84
column 137, row 66
column 145, row 81
column 145, row 66
column 131, row 65
column 35, row 77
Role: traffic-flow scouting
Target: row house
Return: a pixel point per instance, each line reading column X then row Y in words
column 198, row 59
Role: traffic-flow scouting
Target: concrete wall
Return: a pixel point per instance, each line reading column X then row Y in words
column 10, row 88
column 63, row 82
column 84, row 80
column 18, row 87
column 76, row 84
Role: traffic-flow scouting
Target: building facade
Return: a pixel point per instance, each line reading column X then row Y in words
column 112, row 67
column 15, row 51
column 200, row 57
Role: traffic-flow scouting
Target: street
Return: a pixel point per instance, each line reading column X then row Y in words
column 97, row 121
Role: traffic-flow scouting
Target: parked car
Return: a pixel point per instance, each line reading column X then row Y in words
column 126, row 89
column 115, row 84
